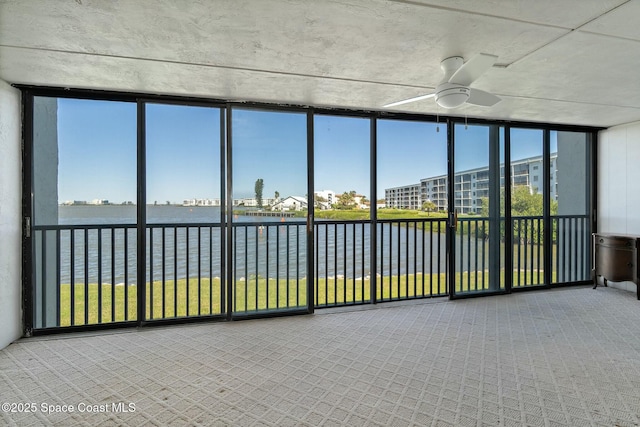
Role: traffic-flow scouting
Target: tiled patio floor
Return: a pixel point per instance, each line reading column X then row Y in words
column 567, row 357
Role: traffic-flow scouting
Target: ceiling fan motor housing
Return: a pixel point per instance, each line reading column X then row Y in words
column 451, row 95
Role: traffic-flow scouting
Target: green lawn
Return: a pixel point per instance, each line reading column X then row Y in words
column 358, row 214
column 252, row 295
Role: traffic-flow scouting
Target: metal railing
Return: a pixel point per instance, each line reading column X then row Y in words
column 411, row 259
column 472, row 255
column 569, row 256
column 269, row 266
column 342, row 263
column 571, row 261
column 70, row 263
column 87, row 274
column 184, row 268
column 528, row 251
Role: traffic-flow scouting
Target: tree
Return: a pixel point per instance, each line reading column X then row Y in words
column 524, row 203
column 346, row 200
column 259, row 187
column 429, row 206
column 277, row 195
column 318, row 200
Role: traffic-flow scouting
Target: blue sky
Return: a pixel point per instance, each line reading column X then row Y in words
column 271, row 146
column 183, row 152
column 97, row 151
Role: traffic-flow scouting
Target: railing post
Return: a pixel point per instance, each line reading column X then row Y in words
column 508, row 221
column 373, row 232
column 223, row 214
column 494, row 207
column 546, row 203
column 310, row 229
column 228, row 226
column 142, row 216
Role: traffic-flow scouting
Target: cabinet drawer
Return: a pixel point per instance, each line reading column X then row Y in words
column 615, row 242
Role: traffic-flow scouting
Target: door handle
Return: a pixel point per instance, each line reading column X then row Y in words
column 453, row 219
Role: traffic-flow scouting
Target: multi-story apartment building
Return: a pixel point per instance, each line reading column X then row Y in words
column 406, row 197
column 471, row 186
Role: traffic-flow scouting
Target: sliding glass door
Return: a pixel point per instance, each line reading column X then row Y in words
column 527, row 206
column 183, row 214
column 477, row 221
column 142, row 210
column 269, row 204
column 342, row 210
column 411, row 210
column 83, row 217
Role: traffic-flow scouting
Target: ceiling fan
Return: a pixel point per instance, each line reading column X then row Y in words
column 454, row 90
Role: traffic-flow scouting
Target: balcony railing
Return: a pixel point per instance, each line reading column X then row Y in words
column 269, row 266
column 569, row 246
column 342, row 263
column 411, row 259
column 87, row 274
column 571, row 261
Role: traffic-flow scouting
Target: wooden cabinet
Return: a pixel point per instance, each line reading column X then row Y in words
column 616, row 258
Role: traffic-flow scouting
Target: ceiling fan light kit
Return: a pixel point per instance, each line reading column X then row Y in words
column 449, row 95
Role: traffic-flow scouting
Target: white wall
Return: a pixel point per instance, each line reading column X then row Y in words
column 10, row 215
column 619, row 182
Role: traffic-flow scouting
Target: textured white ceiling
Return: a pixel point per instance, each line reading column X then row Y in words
column 567, row 61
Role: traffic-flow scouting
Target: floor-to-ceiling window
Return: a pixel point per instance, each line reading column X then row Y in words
column 152, row 210
column 411, row 208
column 342, row 205
column 527, row 206
column 269, row 211
column 83, row 213
column 478, row 252
column 183, row 211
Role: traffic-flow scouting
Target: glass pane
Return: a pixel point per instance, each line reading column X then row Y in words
column 342, row 198
column 569, row 189
column 479, row 200
column 183, row 211
column 527, row 189
column 84, row 162
column 270, row 207
column 411, row 207
column 183, row 163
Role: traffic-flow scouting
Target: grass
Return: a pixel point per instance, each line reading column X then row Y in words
column 204, row 297
column 360, row 214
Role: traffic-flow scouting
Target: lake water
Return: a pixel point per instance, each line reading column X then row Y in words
column 262, row 246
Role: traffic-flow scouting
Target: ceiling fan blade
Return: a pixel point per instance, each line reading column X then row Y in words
column 406, row 101
column 473, row 68
column 480, row 97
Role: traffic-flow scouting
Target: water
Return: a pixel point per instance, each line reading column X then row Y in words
column 263, row 246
